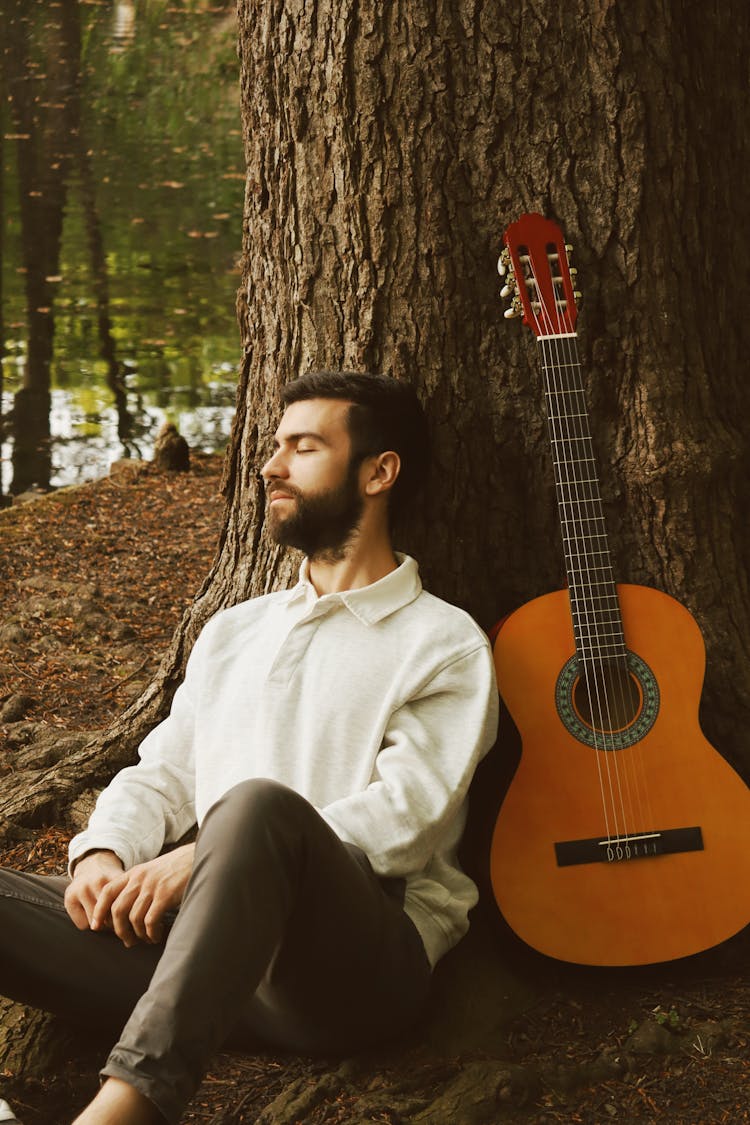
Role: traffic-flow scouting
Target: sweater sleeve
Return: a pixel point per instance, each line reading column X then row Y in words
column 152, row 803
column 422, row 773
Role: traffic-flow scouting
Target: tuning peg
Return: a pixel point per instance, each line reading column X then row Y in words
column 503, row 262
column 509, row 288
column 516, row 309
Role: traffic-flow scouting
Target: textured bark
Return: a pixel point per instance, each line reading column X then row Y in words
column 386, row 150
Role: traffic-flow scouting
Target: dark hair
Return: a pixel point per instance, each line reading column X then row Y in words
column 385, row 414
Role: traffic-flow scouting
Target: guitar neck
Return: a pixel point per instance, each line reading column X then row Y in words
column 595, row 607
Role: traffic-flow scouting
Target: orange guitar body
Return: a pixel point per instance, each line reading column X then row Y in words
column 629, row 911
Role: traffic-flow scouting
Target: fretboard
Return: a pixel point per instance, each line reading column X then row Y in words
column 595, row 608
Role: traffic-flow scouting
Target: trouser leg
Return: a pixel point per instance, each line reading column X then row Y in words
column 284, row 930
column 45, row 961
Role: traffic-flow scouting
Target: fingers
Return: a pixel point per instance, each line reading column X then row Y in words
column 92, row 873
column 80, row 901
column 102, row 916
column 131, row 903
column 134, row 906
column 80, row 906
column 145, row 915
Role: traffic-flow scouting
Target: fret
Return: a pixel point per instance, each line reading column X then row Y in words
column 599, row 650
column 585, row 500
column 582, row 554
column 585, row 519
column 564, row 417
column 571, row 486
column 588, row 632
column 572, row 391
column 558, row 366
column 598, row 569
column 565, row 476
column 560, row 441
column 601, row 612
column 604, row 613
column 581, row 480
column 576, row 461
column 598, row 609
column 606, row 584
column 580, row 591
column 601, row 597
column 573, row 502
column 589, row 535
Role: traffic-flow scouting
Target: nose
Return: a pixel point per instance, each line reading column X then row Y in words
column 274, row 467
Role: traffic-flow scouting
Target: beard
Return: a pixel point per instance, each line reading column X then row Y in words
column 322, row 524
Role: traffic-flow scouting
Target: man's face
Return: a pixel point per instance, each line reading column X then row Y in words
column 312, row 488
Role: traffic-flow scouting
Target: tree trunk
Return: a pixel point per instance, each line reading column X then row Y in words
column 386, row 152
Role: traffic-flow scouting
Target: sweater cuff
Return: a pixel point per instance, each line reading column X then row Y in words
column 87, row 841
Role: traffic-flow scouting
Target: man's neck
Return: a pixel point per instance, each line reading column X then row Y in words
column 361, row 565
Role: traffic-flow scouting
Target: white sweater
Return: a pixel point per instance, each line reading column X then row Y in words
column 375, row 704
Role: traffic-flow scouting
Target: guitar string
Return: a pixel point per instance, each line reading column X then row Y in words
column 548, row 328
column 568, row 424
column 581, row 584
column 630, row 760
column 608, row 634
column 613, row 669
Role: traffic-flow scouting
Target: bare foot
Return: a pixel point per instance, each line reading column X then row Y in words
column 118, row 1103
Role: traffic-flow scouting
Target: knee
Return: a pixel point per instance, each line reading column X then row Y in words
column 256, row 822
column 257, row 804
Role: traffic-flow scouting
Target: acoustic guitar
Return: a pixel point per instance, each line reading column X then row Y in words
column 623, row 836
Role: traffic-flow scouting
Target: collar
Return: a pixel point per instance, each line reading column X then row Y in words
column 369, row 604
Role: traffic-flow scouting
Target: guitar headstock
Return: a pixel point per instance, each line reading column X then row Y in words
column 538, row 278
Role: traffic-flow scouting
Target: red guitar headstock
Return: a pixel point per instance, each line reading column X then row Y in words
column 538, row 277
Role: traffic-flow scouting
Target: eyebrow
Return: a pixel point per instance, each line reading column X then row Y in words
column 294, row 439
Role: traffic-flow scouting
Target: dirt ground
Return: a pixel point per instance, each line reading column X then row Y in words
column 92, row 583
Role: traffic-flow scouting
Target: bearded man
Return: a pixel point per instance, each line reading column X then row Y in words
column 323, row 742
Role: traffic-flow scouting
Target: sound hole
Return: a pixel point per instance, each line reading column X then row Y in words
column 607, row 699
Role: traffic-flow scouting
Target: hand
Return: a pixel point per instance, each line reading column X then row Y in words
column 133, row 903
column 90, row 875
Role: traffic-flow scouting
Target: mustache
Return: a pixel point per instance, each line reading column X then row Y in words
column 281, row 489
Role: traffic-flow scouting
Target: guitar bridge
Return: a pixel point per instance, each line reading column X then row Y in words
column 625, row 847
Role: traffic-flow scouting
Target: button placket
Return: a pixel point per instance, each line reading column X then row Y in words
column 297, row 643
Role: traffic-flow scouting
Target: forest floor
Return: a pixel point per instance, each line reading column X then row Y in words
column 92, row 583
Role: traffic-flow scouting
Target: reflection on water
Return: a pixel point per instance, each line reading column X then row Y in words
column 123, row 31
column 120, row 218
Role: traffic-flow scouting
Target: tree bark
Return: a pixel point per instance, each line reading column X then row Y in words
column 387, row 148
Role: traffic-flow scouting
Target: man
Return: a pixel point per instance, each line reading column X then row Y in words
column 323, row 740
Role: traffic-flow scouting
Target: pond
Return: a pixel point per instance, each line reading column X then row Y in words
column 121, row 181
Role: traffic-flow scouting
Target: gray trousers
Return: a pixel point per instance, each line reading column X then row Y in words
column 284, row 932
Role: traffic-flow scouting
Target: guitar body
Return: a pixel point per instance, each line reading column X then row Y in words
column 662, row 777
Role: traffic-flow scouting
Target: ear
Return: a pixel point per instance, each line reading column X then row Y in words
column 380, row 473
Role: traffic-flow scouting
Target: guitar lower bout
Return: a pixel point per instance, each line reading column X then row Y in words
column 623, row 838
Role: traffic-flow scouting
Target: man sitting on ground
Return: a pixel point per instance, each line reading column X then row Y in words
column 323, row 741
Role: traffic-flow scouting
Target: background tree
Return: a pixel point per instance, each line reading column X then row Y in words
column 387, row 147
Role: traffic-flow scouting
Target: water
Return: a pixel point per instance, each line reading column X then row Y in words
column 120, row 227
